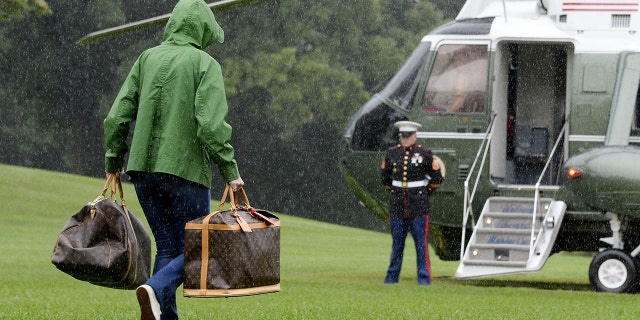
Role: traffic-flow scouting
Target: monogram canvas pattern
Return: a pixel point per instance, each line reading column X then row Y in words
column 236, row 259
column 105, row 245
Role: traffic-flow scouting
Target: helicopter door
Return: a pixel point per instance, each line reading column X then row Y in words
column 529, row 98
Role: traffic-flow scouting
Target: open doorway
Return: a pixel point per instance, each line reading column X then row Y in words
column 530, row 99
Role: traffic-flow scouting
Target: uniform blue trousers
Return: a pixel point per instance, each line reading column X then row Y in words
column 169, row 202
column 419, row 228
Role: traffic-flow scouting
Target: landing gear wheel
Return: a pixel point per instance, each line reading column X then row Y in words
column 613, row 270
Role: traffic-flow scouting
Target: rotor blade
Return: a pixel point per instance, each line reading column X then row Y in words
column 219, row 6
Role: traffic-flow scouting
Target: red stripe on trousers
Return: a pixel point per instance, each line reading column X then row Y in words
column 426, row 246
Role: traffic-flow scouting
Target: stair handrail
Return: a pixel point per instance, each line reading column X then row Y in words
column 536, row 200
column 468, row 197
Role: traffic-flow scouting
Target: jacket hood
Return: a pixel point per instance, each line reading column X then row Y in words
column 192, row 22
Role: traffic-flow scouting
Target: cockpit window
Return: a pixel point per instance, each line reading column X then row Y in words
column 458, row 79
column 401, row 89
column 372, row 128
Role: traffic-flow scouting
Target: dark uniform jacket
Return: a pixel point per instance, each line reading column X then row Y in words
column 402, row 171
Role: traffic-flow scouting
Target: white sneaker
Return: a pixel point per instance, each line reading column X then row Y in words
column 149, row 305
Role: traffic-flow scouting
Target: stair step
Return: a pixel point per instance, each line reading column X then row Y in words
column 513, row 231
column 494, row 236
column 514, row 264
column 508, row 221
column 524, row 205
column 499, row 246
column 512, row 215
column 491, row 252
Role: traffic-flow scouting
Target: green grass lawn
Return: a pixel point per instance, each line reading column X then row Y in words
column 327, row 272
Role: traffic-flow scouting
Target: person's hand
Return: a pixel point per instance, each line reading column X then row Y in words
column 432, row 187
column 235, row 184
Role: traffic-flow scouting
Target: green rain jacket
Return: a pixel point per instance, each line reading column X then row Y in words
column 175, row 94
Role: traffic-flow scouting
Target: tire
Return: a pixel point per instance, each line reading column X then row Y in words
column 614, row 271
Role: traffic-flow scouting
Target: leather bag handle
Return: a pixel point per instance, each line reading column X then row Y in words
column 233, row 197
column 115, row 183
column 232, row 194
column 110, row 177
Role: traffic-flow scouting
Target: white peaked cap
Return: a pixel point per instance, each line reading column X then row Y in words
column 408, row 126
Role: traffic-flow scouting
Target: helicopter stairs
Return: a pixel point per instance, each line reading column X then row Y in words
column 501, row 242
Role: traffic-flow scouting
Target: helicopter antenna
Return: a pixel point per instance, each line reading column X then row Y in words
column 504, row 8
column 218, row 6
column 543, row 6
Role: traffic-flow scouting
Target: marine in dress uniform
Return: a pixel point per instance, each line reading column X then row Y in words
column 410, row 173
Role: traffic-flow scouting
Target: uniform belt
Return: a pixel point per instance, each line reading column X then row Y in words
column 409, row 184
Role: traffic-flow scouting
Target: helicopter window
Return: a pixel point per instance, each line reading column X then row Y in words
column 625, row 102
column 401, row 89
column 636, row 124
column 458, row 79
column 374, row 128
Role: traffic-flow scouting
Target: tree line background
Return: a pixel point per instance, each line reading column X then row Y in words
column 295, row 71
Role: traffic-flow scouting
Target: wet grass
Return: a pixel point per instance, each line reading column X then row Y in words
column 328, row 272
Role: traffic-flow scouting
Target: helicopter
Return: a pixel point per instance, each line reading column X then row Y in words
column 532, row 109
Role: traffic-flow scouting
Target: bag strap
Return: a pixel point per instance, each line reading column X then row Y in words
column 225, row 194
column 110, row 177
column 245, row 199
column 233, row 197
column 260, row 216
column 115, row 183
column 122, row 201
column 249, row 208
column 233, row 201
column 232, row 194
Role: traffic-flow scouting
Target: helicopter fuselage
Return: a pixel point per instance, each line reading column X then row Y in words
column 544, row 86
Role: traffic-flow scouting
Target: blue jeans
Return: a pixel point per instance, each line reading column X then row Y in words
column 419, row 228
column 169, row 202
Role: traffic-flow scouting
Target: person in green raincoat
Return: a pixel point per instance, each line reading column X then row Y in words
column 175, row 94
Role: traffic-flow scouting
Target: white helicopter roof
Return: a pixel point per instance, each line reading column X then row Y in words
column 591, row 25
column 474, row 9
column 526, row 8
